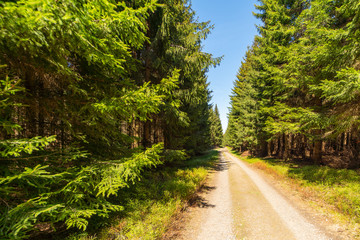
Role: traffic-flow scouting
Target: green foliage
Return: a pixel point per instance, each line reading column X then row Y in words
column 216, row 132
column 171, row 156
column 345, row 89
column 299, row 79
column 241, row 131
column 152, row 203
column 16, row 147
column 175, row 42
column 83, row 192
column 127, row 171
column 95, row 94
column 51, row 30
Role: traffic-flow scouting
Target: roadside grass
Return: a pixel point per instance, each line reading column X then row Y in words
column 152, row 204
column 338, row 190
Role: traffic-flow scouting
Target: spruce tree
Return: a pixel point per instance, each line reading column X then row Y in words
column 91, row 92
column 175, row 43
column 241, row 132
column 215, row 127
column 304, row 68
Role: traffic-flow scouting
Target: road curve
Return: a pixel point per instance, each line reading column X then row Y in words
column 242, row 205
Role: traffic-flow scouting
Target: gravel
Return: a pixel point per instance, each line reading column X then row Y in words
column 289, row 216
column 240, row 204
column 218, row 219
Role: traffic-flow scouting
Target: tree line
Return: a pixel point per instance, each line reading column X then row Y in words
column 296, row 95
column 93, row 93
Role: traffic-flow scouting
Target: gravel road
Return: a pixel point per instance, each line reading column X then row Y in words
column 240, row 204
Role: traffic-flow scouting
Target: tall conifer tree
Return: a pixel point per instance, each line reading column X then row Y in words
column 90, row 92
column 305, row 65
column 215, row 127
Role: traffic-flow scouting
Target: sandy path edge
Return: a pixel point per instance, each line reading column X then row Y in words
column 238, row 202
column 212, row 218
column 298, row 225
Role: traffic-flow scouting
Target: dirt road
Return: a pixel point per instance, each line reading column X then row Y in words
column 240, row 204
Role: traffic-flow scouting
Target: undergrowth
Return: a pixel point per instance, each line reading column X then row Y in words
column 151, row 204
column 339, row 188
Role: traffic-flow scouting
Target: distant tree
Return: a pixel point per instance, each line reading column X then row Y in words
column 241, row 132
column 215, row 127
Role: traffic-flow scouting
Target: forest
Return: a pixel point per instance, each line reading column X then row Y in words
column 94, row 94
column 296, row 95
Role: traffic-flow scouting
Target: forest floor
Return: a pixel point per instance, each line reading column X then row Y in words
column 239, row 202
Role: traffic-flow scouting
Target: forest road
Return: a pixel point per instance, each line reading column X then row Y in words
column 238, row 203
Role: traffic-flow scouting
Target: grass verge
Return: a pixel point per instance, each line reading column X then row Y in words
column 152, row 204
column 333, row 190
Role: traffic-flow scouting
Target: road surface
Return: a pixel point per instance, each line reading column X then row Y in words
column 238, row 203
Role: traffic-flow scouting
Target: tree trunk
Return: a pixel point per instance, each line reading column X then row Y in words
column 30, row 126
column 146, row 138
column 303, row 147
column 262, row 150
column 282, row 146
column 287, row 146
column 270, row 148
column 317, row 152
column 278, row 147
column 41, row 109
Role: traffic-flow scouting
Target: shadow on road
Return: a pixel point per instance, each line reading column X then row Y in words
column 222, row 165
column 201, row 202
column 198, row 199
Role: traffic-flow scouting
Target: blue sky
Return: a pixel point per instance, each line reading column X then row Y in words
column 234, row 31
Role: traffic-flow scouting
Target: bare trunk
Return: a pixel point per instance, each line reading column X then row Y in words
column 286, row 146
column 303, row 147
column 317, row 152
column 270, row 147
column 146, row 138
